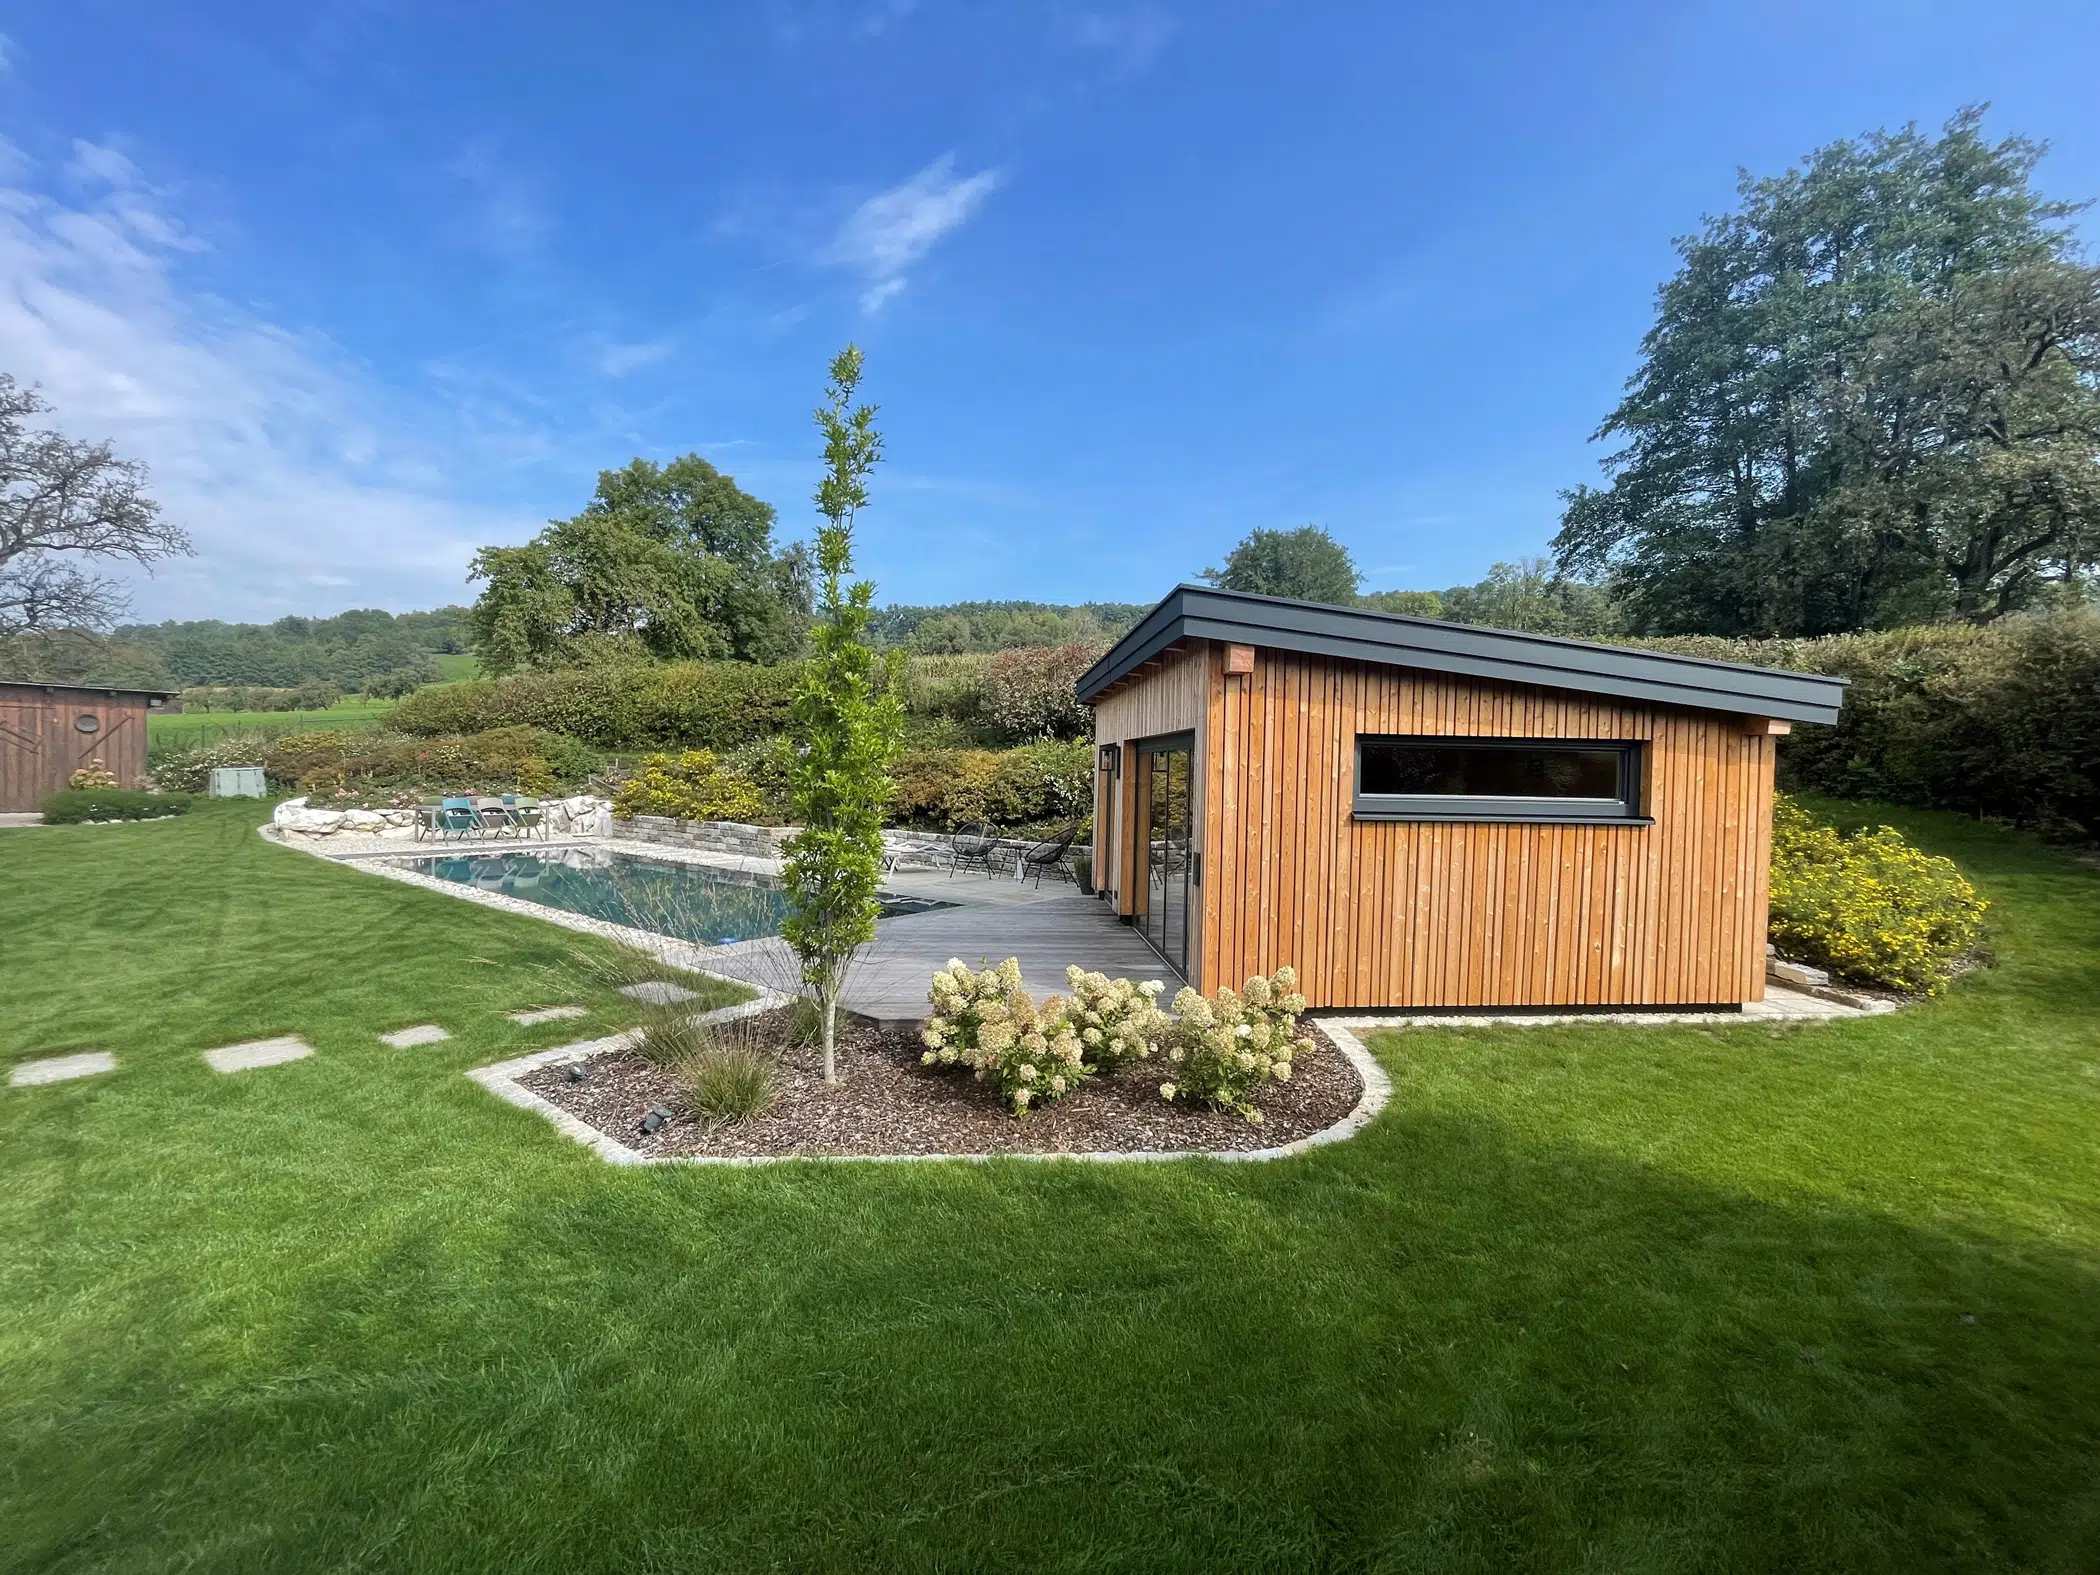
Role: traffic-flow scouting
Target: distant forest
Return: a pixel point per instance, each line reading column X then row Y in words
column 353, row 650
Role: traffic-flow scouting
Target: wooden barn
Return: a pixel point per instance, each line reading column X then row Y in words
column 49, row 731
column 1424, row 814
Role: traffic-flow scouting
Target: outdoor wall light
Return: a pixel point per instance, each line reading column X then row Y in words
column 577, row 1073
column 1112, row 759
column 657, row 1118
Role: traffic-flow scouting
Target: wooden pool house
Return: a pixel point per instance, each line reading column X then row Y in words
column 1420, row 814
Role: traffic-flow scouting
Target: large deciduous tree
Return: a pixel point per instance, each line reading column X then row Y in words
column 1306, row 563
column 846, row 725
column 666, row 561
column 64, row 500
column 1871, row 396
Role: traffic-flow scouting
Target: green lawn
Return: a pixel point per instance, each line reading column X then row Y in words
column 1582, row 1299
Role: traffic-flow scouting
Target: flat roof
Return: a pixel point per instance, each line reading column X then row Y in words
column 1204, row 612
column 87, row 689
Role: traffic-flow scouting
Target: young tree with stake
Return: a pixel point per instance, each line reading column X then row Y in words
column 846, row 725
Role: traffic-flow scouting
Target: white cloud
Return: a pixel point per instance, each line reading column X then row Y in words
column 508, row 214
column 1132, row 39
column 7, row 53
column 291, row 469
column 616, row 360
column 886, row 236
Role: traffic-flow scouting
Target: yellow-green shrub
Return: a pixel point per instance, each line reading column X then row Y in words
column 1869, row 906
column 687, row 786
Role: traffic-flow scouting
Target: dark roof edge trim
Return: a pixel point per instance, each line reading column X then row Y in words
column 83, row 689
column 1501, row 655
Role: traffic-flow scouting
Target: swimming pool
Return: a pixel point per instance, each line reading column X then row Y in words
column 691, row 902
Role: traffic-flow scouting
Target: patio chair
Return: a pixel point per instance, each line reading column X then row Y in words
column 973, row 846
column 456, row 818
column 428, row 822
column 1051, row 855
column 526, row 816
column 494, row 816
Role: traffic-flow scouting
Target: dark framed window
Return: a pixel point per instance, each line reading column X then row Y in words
column 1409, row 777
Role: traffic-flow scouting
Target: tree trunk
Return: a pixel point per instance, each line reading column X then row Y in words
column 831, row 1018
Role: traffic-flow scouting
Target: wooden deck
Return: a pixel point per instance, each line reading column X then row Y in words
column 1046, row 930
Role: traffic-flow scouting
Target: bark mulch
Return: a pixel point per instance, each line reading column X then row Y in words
column 887, row 1103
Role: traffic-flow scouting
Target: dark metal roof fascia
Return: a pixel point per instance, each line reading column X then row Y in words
column 83, row 689
column 1506, row 656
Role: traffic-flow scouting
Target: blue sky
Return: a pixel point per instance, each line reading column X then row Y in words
column 371, row 284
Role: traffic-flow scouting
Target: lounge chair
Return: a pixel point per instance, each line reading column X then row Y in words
column 526, row 816
column 973, row 846
column 494, row 815
column 1050, row 855
column 456, row 818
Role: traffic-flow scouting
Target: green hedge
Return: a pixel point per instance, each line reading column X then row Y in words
column 75, row 805
column 2001, row 720
column 1033, row 786
column 706, row 705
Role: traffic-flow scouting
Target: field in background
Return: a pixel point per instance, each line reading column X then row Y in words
column 457, row 668
column 168, row 733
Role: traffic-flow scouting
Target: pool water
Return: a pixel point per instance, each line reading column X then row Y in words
column 692, row 902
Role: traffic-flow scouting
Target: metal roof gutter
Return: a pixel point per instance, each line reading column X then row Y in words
column 1203, row 612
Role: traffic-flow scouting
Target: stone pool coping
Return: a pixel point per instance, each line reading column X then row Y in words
column 502, row 1080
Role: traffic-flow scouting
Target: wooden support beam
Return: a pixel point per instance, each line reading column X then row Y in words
column 1239, row 659
column 1766, row 726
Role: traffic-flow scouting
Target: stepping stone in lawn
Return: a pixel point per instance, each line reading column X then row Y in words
column 409, row 1038
column 60, row 1068
column 546, row 1014
column 258, row 1052
column 657, row 992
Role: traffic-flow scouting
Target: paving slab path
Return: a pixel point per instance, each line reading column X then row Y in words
column 253, row 1053
column 420, row 1034
column 546, row 1014
column 60, row 1068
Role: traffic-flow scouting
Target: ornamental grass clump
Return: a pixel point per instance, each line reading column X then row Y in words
column 1869, row 906
column 1224, row 1050
column 988, row 1022
column 1116, row 1020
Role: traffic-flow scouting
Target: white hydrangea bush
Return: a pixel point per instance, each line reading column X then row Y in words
column 1225, row 1049
column 1116, row 1020
column 987, row 1021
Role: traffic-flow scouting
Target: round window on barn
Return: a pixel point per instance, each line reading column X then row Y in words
column 88, row 722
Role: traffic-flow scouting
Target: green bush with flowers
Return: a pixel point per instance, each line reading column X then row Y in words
column 1869, row 906
column 1224, row 1049
column 1117, row 1020
column 687, row 786
column 987, row 1021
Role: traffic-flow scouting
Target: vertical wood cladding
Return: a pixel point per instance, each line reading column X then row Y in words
column 41, row 744
column 1381, row 914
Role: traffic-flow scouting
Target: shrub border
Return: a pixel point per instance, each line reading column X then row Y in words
column 501, row 1079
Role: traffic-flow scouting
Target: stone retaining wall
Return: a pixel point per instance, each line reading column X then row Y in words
column 712, row 836
column 580, row 816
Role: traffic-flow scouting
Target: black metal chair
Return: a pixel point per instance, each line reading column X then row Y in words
column 1051, row 855
column 973, row 845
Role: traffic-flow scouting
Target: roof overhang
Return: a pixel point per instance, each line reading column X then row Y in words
column 1203, row 612
column 89, row 689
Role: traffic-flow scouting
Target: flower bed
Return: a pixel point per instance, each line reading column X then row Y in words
column 888, row 1102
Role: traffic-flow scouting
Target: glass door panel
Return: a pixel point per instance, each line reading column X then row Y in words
column 1166, row 773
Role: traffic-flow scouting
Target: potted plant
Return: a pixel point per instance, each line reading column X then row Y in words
column 1083, row 871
